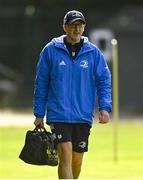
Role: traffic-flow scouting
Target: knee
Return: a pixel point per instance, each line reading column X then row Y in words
column 65, row 152
column 76, row 161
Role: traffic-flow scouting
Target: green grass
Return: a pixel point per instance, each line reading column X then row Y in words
column 98, row 162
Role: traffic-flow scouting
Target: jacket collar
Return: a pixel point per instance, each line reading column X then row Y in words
column 59, row 43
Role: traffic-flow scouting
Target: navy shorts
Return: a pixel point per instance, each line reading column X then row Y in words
column 76, row 133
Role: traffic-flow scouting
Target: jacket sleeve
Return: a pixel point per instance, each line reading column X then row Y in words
column 41, row 85
column 103, row 83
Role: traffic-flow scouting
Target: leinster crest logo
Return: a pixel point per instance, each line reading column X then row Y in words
column 84, row 63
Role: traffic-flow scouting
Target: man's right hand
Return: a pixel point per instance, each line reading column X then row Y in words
column 39, row 122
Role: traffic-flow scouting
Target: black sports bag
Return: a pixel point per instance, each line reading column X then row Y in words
column 39, row 148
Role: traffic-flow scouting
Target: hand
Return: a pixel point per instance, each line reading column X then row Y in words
column 103, row 117
column 39, row 122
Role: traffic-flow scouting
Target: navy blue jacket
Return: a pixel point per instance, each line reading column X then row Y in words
column 65, row 89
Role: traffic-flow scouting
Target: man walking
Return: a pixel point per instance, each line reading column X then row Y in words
column 71, row 73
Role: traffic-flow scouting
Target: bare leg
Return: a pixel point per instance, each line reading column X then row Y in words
column 65, row 160
column 76, row 164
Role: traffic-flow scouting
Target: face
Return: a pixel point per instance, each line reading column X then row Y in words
column 74, row 31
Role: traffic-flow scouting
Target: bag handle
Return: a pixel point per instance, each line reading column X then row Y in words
column 37, row 128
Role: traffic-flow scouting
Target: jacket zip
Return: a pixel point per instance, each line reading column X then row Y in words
column 72, row 66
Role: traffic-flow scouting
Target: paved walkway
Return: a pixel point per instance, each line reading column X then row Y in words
column 9, row 118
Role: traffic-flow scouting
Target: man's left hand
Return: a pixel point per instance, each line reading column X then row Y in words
column 103, row 117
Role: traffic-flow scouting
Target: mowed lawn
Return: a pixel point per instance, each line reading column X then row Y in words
column 98, row 162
